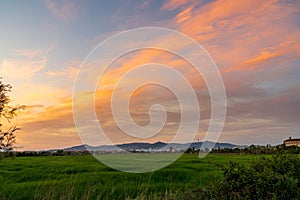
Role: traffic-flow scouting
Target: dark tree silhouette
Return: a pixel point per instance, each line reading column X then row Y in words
column 8, row 137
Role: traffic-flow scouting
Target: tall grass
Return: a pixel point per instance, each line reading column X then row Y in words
column 83, row 177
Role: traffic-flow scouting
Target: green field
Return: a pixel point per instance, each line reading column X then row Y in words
column 84, row 177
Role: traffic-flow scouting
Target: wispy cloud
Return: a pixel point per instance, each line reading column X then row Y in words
column 184, row 15
column 285, row 51
column 28, row 63
column 69, row 72
column 175, row 4
column 21, row 69
column 48, row 123
column 62, row 9
column 29, row 53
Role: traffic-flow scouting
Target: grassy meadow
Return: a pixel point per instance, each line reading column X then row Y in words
column 84, row 177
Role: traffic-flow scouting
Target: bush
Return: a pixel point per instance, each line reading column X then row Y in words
column 277, row 177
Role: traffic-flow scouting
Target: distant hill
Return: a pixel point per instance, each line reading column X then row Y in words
column 149, row 146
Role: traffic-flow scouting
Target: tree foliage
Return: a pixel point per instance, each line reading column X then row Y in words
column 275, row 177
column 268, row 178
column 7, row 113
column 259, row 150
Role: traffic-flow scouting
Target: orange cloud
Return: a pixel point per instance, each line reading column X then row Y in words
column 37, row 94
column 174, row 4
column 286, row 50
column 238, row 33
column 131, row 61
column 207, row 20
column 46, row 127
column 184, row 15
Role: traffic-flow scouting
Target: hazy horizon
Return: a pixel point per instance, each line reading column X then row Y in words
column 19, row 148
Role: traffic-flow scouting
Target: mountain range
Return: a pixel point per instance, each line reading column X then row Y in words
column 149, row 146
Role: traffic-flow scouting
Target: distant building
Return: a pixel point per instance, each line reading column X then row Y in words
column 292, row 142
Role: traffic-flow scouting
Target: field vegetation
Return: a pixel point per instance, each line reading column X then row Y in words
column 84, row 177
column 219, row 176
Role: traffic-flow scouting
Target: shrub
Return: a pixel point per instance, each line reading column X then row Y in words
column 277, row 177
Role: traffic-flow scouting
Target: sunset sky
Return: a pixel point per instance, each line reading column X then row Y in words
column 254, row 43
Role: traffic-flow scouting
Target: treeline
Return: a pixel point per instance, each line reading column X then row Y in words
column 42, row 153
column 258, row 149
column 252, row 149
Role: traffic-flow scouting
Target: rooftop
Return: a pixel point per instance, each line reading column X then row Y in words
column 292, row 139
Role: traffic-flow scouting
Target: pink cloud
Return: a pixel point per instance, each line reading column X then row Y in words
column 62, row 9
column 69, row 72
column 174, row 4
column 29, row 53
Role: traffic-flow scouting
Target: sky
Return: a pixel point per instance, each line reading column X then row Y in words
column 254, row 43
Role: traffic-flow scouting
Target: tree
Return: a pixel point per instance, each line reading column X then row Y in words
column 8, row 137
